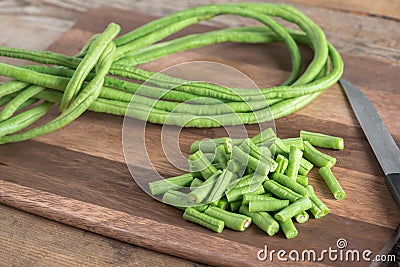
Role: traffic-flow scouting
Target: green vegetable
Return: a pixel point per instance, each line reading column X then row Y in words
column 263, row 155
column 220, row 185
column 293, row 209
column 223, row 203
column 235, row 205
column 267, row 205
column 264, row 138
column 235, row 166
column 232, row 220
column 296, row 141
column 289, row 183
column 317, row 157
column 19, row 101
column 254, row 194
column 263, row 220
column 257, row 165
column 95, row 79
column 198, row 162
column 211, row 157
column 302, row 217
column 200, row 208
column 101, row 56
column 323, row 140
column 282, row 164
column 196, row 182
column 210, row 145
column 173, row 183
column 302, row 180
column 200, row 193
column 332, row 183
column 237, row 192
column 24, row 119
column 251, row 179
column 318, row 209
column 288, row 228
column 281, row 148
column 249, row 197
column 176, row 199
column 305, row 166
column 202, row 219
column 295, row 157
column 221, row 156
column 281, row 191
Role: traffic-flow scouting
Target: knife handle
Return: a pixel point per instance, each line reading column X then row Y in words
column 393, row 183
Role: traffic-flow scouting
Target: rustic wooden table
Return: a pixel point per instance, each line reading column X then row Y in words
column 361, row 28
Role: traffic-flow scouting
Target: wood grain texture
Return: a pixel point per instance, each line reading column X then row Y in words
column 80, row 178
column 347, row 25
column 387, row 9
column 48, row 243
column 182, row 236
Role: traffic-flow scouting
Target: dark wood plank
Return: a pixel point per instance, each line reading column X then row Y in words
column 29, row 240
column 88, row 191
column 186, row 236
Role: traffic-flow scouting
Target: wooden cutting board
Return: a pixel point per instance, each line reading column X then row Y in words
column 78, row 176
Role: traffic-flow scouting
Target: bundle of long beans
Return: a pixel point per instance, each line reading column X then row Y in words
column 95, row 78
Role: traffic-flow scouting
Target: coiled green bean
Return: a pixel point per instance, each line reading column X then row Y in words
column 84, row 82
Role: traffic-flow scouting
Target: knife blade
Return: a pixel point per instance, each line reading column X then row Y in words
column 379, row 138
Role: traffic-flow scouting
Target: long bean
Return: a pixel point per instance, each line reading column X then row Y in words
column 223, row 204
column 199, row 193
column 296, row 141
column 209, row 222
column 290, row 183
column 317, row 157
column 288, row 228
column 302, row 180
column 196, row 182
column 235, row 205
column 19, row 100
column 173, row 183
column 251, row 197
column 302, row 217
column 332, row 183
column 220, row 186
column 87, row 77
column 263, row 220
column 198, row 162
column 318, row 209
column 281, row 191
column 176, row 199
column 237, row 193
column 293, row 209
column 267, row 205
column 259, row 166
column 232, row 220
column 254, row 194
column 24, row 119
column 295, row 156
column 282, row 164
column 323, row 140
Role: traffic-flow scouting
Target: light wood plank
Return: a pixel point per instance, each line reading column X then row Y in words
column 31, row 32
column 387, row 8
column 354, row 33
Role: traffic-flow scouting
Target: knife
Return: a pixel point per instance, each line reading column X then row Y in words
column 382, row 143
